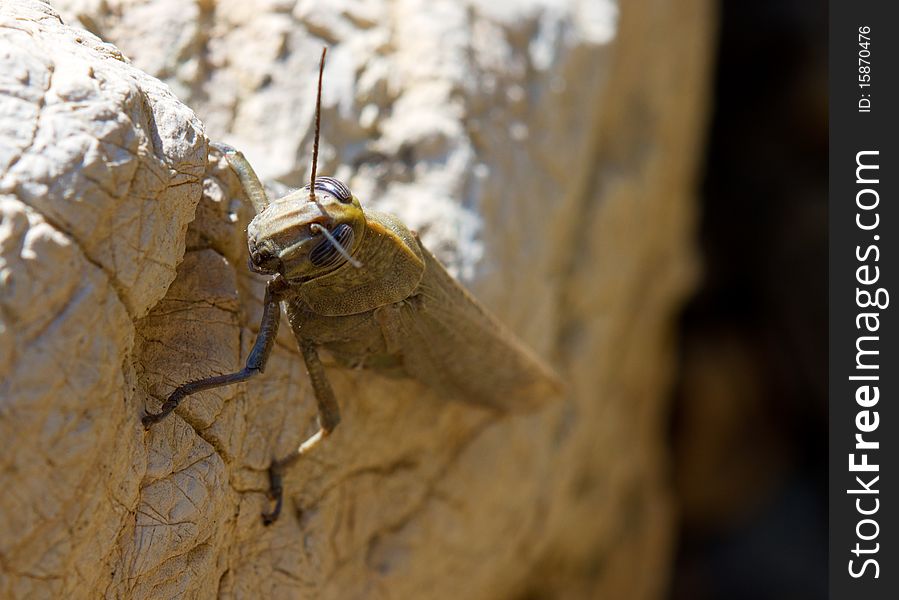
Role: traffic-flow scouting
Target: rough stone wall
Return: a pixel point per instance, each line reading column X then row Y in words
column 545, row 151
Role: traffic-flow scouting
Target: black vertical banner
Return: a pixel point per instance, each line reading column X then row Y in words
column 864, row 271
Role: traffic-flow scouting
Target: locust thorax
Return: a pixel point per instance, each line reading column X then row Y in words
column 301, row 238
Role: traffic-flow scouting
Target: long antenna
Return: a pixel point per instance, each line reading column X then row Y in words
column 318, row 119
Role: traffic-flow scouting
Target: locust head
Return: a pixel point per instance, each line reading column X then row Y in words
column 307, row 234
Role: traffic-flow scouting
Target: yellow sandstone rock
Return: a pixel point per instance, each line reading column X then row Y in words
column 545, row 151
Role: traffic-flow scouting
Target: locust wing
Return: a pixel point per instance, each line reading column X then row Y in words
column 450, row 342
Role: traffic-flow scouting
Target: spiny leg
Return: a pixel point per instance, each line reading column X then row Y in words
column 328, row 418
column 265, row 341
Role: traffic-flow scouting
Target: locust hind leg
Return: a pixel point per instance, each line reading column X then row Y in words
column 328, row 419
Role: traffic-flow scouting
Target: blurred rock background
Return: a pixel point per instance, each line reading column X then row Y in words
column 750, row 410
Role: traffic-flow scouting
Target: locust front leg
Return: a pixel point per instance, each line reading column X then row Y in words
column 265, row 341
column 328, row 418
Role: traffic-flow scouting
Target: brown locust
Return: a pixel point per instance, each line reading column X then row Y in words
column 360, row 285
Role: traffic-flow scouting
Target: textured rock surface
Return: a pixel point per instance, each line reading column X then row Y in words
column 546, row 152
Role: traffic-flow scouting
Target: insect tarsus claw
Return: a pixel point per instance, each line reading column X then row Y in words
column 275, row 493
column 223, row 148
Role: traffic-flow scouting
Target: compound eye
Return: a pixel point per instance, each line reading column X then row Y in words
column 335, row 187
column 325, row 255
